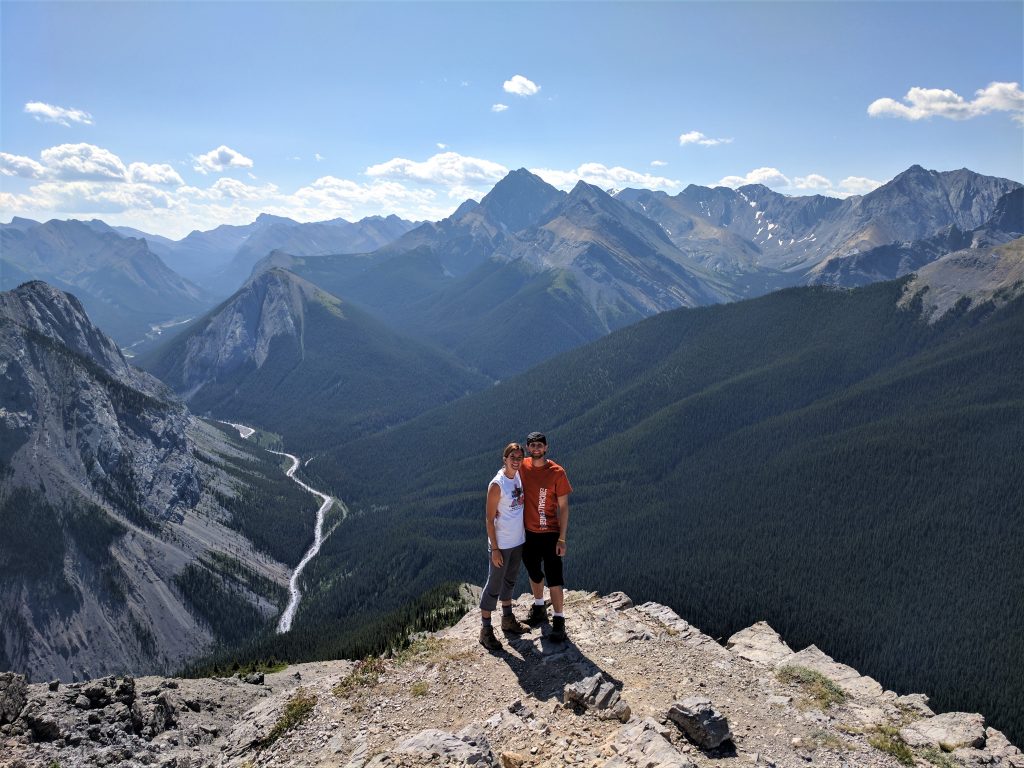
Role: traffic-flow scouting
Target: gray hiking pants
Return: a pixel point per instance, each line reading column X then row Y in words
column 501, row 581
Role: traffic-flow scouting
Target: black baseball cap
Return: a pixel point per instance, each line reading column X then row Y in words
column 536, row 437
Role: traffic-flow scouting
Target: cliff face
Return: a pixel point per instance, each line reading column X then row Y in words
column 634, row 686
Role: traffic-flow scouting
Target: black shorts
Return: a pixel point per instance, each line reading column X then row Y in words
column 539, row 558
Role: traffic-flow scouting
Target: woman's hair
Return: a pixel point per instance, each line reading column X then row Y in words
column 511, row 447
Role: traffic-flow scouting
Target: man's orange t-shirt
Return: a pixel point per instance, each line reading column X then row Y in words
column 542, row 487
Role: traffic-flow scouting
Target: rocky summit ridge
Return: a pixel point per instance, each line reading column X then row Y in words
column 636, row 685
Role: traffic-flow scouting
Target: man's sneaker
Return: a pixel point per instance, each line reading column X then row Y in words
column 488, row 640
column 510, row 625
column 557, row 634
column 538, row 615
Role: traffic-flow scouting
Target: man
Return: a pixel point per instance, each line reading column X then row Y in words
column 546, row 492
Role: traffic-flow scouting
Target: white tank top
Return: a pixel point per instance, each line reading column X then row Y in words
column 508, row 523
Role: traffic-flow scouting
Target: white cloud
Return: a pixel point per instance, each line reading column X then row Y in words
column 499, row 107
column 160, row 174
column 520, row 86
column 78, row 197
column 48, row 113
column 440, row 145
column 658, row 163
column 216, row 160
column 857, row 185
column 696, row 137
column 239, row 190
column 770, row 177
column 83, row 162
column 25, row 167
column 446, row 168
column 812, row 181
column 815, row 183
column 923, row 103
column 319, row 158
column 606, row 178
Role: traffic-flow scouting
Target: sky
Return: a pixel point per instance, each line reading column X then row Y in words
column 176, row 116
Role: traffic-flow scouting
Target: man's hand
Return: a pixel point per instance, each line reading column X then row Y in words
column 496, row 558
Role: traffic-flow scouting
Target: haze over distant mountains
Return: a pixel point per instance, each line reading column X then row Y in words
column 124, row 286
column 586, row 263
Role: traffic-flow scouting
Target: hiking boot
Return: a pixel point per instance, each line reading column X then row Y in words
column 557, row 634
column 510, row 625
column 488, row 640
column 538, row 615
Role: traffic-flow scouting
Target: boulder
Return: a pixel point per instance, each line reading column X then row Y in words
column 467, row 747
column 700, row 722
column 13, row 695
column 947, row 732
column 759, row 643
column 915, row 703
column 645, row 744
column 595, row 694
column 617, row 601
column 849, row 679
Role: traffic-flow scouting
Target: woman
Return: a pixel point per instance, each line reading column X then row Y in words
column 505, row 539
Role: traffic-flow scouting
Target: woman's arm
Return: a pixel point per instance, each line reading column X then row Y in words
column 493, row 497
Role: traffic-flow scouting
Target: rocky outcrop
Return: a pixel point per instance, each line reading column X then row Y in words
column 448, row 702
column 968, row 277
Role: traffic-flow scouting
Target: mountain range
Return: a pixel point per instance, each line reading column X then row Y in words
column 579, row 265
column 124, row 286
column 752, row 228
column 222, row 258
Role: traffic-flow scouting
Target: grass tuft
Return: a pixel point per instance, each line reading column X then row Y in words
column 364, row 674
column 420, row 688
column 823, row 691
column 298, row 708
column 886, row 738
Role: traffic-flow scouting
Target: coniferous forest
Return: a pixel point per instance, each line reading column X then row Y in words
column 819, row 459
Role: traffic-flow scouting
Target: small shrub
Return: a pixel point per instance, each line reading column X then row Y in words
column 364, row 674
column 823, row 691
column 887, row 739
column 295, row 712
column 420, row 688
column 939, row 758
column 822, row 739
column 421, row 646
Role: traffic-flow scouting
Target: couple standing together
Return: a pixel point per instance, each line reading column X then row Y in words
column 527, row 519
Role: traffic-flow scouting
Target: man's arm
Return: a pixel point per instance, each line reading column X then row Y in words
column 563, row 524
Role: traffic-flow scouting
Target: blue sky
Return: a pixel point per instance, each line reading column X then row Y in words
column 177, row 116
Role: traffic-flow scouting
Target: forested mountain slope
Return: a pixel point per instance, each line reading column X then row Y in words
column 818, row 458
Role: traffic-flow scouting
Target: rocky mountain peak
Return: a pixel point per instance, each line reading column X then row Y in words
column 636, row 685
column 59, row 316
column 266, row 219
column 519, row 200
